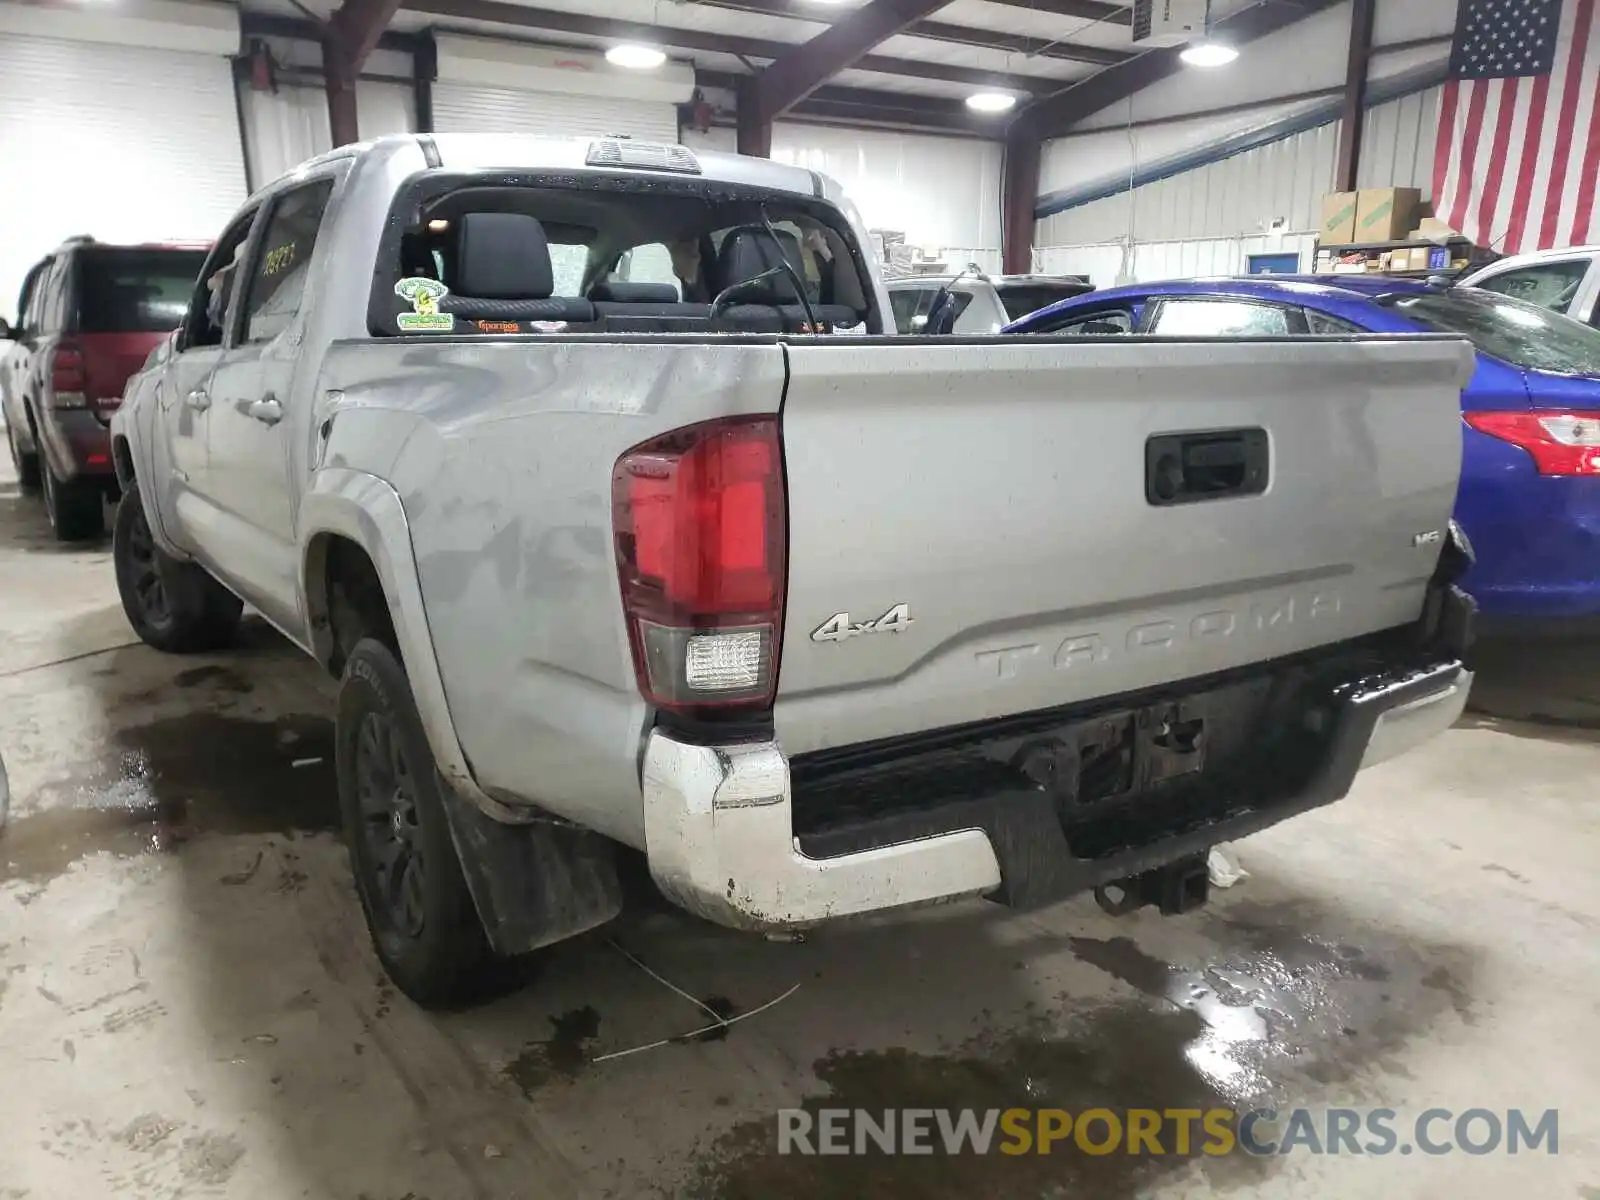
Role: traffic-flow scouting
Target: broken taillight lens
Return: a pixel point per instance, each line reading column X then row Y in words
column 701, row 527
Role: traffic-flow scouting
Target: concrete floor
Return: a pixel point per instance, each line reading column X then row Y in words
column 189, row 1006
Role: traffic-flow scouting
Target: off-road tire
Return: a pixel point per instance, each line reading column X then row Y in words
column 419, row 911
column 76, row 507
column 173, row 606
column 27, row 465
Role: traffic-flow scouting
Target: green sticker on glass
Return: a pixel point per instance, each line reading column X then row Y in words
column 424, row 296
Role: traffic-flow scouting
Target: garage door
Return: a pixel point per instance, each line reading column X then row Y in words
column 121, row 142
column 465, row 108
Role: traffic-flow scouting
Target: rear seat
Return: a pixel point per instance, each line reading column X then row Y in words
column 503, row 273
column 619, row 298
column 773, row 307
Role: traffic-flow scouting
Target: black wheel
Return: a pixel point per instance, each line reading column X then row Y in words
column 76, row 507
column 27, row 465
column 419, row 911
column 173, row 606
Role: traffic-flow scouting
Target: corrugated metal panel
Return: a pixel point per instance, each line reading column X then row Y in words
column 1397, row 143
column 942, row 192
column 124, row 143
column 1107, row 265
column 464, row 108
column 290, row 125
column 1237, row 197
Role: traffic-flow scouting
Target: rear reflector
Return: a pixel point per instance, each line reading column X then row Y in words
column 1560, row 443
column 700, row 526
column 67, row 377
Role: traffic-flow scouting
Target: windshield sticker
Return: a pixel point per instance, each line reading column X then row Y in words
column 424, row 296
column 498, row 327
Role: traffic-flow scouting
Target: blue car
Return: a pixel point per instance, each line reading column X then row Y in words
column 1530, row 477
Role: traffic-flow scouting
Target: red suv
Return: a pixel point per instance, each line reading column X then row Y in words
column 88, row 317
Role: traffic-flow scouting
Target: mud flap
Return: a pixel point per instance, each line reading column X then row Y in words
column 534, row 884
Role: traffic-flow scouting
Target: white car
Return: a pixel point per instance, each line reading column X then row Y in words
column 1567, row 281
column 984, row 303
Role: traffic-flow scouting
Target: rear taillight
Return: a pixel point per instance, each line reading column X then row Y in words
column 67, row 377
column 1560, row 443
column 701, row 530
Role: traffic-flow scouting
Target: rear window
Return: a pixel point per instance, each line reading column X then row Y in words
column 1521, row 334
column 1019, row 301
column 135, row 291
column 653, row 254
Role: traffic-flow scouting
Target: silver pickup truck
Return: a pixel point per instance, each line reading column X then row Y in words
column 588, row 469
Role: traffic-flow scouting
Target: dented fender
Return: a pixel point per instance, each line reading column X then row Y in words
column 365, row 509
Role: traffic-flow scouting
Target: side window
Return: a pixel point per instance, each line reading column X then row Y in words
column 1220, row 318
column 1551, row 285
column 904, row 302
column 53, row 314
column 568, row 262
column 1100, row 324
column 282, row 260
column 213, row 292
column 649, row 263
column 1320, row 324
column 30, row 304
column 912, row 306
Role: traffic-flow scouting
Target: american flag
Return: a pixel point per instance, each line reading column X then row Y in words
column 1518, row 154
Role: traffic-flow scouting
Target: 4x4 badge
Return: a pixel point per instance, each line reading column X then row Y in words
column 839, row 627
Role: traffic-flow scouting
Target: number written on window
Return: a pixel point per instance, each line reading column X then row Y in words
column 279, row 259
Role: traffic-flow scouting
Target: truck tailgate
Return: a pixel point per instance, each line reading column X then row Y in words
column 980, row 527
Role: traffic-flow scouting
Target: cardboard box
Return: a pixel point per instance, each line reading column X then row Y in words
column 1338, row 218
column 1431, row 229
column 1386, row 214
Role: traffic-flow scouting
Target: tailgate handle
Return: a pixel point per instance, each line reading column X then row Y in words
column 1186, row 468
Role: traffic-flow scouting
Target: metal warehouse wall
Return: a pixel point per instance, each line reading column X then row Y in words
column 943, row 192
column 1397, row 143
column 1208, row 220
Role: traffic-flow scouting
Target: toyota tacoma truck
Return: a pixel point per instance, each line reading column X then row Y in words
column 594, row 472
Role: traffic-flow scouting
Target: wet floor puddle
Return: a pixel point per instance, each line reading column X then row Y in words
column 163, row 783
column 1276, row 1018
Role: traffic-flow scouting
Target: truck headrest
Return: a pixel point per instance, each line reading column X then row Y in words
column 749, row 251
column 620, row 291
column 502, row 256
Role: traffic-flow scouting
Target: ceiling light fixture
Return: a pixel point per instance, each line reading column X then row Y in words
column 991, row 102
column 1208, row 54
column 635, row 57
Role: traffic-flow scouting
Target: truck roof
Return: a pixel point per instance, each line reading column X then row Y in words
column 532, row 152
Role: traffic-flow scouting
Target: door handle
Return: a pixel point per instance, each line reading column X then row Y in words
column 199, row 400
column 266, row 410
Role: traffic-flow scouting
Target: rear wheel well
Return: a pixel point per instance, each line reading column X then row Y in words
column 122, row 461
column 342, row 580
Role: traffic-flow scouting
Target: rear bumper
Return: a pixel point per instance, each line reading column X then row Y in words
column 720, row 829
column 76, row 444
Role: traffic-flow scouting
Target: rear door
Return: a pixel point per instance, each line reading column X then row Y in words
column 14, row 363
column 185, row 401
column 977, row 526
column 251, row 394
